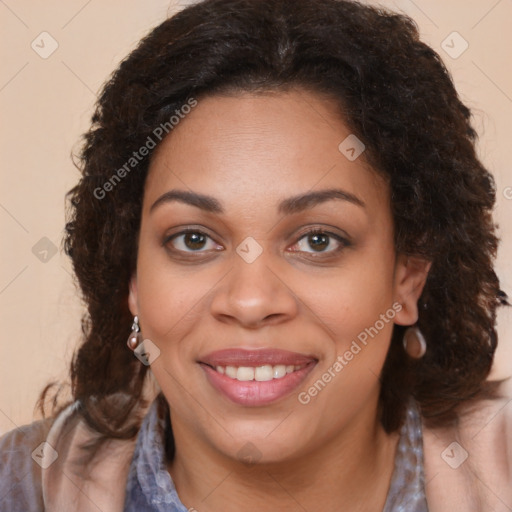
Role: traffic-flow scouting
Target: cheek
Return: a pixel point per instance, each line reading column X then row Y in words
column 356, row 308
column 348, row 378
column 352, row 300
column 169, row 307
column 170, row 298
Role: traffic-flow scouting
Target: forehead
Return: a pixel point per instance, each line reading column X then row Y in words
column 255, row 146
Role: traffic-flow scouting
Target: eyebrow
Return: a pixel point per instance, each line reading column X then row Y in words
column 290, row 205
column 302, row 202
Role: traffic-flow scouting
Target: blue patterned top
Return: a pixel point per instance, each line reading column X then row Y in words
column 407, row 489
column 151, row 489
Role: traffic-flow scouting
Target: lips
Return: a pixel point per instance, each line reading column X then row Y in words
column 256, row 377
column 244, row 357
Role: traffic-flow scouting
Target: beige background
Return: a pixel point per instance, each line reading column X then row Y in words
column 46, row 105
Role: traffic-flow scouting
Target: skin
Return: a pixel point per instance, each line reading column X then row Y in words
column 250, row 152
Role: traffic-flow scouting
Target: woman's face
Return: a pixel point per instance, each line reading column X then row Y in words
column 272, row 314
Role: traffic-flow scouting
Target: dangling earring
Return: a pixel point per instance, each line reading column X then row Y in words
column 414, row 343
column 135, row 337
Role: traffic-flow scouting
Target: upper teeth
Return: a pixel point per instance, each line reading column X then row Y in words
column 259, row 373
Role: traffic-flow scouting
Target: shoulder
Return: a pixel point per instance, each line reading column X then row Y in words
column 90, row 470
column 471, row 463
column 21, row 454
column 42, row 466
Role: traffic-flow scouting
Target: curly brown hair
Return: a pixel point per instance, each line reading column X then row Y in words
column 394, row 93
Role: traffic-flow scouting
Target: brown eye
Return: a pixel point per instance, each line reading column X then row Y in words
column 191, row 241
column 320, row 242
column 194, row 241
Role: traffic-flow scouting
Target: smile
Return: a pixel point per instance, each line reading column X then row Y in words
column 256, row 377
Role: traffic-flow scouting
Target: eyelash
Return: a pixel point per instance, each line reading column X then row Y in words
column 343, row 242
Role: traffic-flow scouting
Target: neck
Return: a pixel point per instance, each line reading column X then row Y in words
column 352, row 470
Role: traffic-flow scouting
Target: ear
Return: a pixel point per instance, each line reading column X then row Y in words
column 133, row 303
column 410, row 277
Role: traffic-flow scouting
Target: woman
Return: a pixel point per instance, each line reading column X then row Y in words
column 282, row 199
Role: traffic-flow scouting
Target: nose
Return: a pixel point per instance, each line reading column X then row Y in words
column 253, row 295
